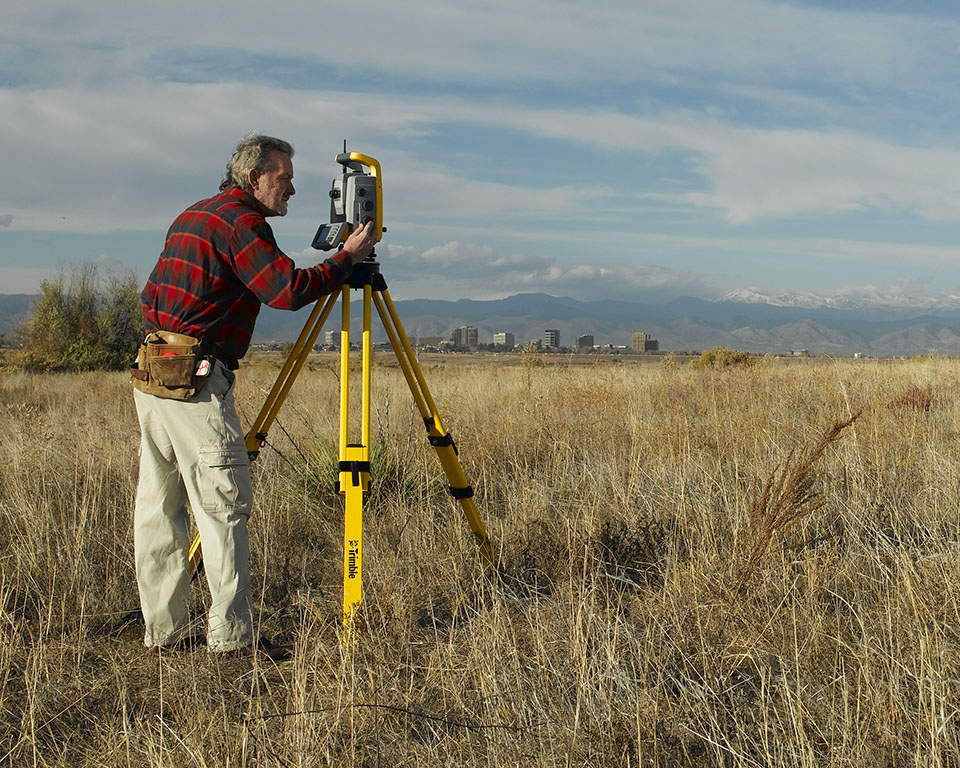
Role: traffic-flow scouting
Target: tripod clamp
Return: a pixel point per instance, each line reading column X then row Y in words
column 443, row 441
column 355, row 468
column 367, row 272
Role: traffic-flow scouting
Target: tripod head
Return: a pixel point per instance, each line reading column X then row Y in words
column 356, row 197
column 367, row 272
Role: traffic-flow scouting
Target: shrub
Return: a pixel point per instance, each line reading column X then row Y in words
column 723, row 357
column 83, row 321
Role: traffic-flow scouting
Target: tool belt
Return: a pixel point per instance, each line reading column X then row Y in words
column 173, row 365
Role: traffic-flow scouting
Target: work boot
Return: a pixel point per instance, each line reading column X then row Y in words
column 263, row 649
column 185, row 644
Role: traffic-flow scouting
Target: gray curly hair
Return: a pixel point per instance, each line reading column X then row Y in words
column 252, row 153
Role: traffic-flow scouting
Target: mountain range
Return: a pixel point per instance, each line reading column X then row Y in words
column 687, row 324
column 754, row 322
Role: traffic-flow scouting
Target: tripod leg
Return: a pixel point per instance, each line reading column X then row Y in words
column 344, row 371
column 353, row 485
column 354, row 468
column 288, row 374
column 195, row 557
column 439, row 438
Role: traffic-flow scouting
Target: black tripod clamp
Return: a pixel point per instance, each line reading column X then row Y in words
column 367, row 272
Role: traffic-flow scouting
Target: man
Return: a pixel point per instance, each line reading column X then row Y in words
column 220, row 262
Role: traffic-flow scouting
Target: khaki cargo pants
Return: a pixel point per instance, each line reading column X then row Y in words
column 193, row 450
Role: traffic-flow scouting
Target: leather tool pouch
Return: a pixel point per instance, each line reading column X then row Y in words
column 172, row 365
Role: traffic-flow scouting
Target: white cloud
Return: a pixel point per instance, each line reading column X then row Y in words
column 764, row 174
column 755, row 174
column 133, row 176
column 456, row 256
column 449, row 193
column 464, row 260
column 456, row 41
column 614, row 280
column 492, row 273
column 152, row 142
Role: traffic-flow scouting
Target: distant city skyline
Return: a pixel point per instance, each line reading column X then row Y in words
column 469, row 336
column 638, row 151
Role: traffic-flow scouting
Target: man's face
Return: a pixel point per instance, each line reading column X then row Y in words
column 273, row 187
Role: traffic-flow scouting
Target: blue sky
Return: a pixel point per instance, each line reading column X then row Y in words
column 637, row 149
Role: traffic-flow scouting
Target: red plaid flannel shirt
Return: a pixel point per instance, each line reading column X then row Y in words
column 220, row 262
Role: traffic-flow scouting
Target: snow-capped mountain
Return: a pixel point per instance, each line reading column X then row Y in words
column 861, row 299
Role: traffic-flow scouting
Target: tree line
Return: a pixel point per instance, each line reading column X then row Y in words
column 84, row 320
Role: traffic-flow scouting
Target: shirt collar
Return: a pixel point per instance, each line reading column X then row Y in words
column 244, row 197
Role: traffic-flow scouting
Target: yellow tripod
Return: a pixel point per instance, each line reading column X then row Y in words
column 354, row 458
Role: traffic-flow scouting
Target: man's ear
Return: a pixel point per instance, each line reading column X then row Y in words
column 253, row 177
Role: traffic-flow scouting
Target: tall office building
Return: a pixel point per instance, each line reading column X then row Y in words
column 465, row 336
column 585, row 341
column 504, row 339
column 643, row 342
column 551, row 339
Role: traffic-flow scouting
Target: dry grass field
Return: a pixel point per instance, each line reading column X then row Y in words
column 739, row 567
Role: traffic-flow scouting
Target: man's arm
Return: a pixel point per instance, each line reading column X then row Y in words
column 275, row 279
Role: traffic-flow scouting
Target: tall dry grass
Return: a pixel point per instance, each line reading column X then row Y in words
column 639, row 614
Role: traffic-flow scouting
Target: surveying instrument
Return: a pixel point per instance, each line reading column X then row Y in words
column 356, row 198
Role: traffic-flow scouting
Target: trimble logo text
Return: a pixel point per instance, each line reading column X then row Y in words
column 353, row 554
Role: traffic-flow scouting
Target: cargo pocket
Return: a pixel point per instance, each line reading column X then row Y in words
column 220, row 381
column 225, row 479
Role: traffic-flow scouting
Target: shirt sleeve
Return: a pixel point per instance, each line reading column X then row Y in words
column 272, row 276
column 148, row 303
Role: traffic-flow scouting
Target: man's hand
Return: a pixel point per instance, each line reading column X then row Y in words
column 361, row 241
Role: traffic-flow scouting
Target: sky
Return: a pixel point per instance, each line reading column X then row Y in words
column 634, row 149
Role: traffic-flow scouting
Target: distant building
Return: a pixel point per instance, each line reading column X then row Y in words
column 643, row 342
column 429, row 341
column 799, row 353
column 585, row 342
column 551, row 339
column 331, row 338
column 504, row 339
column 465, row 336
